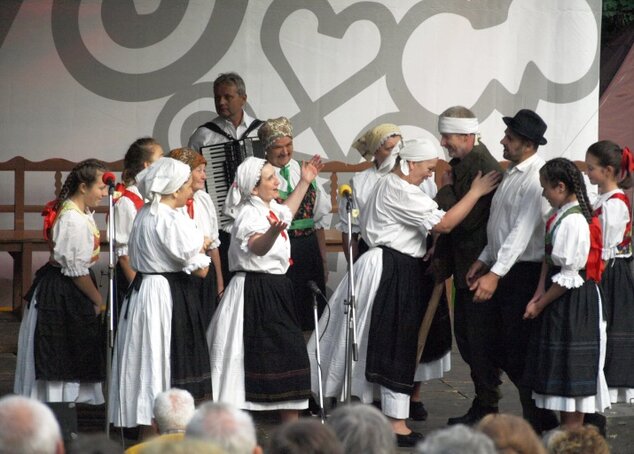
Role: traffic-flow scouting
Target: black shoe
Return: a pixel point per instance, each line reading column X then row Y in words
column 597, row 420
column 410, row 440
column 417, row 411
column 475, row 414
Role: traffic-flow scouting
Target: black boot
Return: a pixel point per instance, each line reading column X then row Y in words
column 475, row 414
column 417, row 411
column 597, row 420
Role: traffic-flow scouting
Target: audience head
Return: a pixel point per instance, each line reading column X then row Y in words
column 140, row 154
column 523, row 135
column 173, row 409
column 27, row 426
column 362, row 429
column 458, row 128
column 304, row 436
column 230, row 96
column 608, row 161
column 186, row 446
column 223, row 424
column 456, row 440
column 511, row 434
column 276, row 135
column 583, row 440
column 378, row 144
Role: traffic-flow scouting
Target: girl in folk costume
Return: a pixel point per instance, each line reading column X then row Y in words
column 391, row 296
column 160, row 342
column 61, row 343
column 306, row 231
column 201, row 209
column 128, row 201
column 566, row 353
column 610, row 168
column 258, row 353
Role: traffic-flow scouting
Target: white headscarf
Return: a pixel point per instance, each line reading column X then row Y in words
column 247, row 176
column 416, row 150
column 163, row 177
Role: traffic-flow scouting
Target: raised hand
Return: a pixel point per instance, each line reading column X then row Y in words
column 311, row 169
column 277, row 226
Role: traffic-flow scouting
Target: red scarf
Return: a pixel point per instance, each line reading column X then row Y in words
column 190, row 207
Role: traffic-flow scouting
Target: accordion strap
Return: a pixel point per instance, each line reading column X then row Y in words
column 218, row 130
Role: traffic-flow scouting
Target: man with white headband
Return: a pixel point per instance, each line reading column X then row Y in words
column 391, row 296
column 161, row 337
column 456, row 251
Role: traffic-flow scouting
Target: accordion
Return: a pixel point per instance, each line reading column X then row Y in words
column 223, row 160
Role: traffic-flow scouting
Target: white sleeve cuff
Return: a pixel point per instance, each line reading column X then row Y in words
column 568, row 279
column 434, row 217
column 197, row 262
column 121, row 250
column 75, row 271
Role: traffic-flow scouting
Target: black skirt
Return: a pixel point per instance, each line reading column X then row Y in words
column 208, row 290
column 276, row 366
column 189, row 354
column 438, row 342
column 618, row 302
column 307, row 266
column 563, row 350
column 397, row 311
column 69, row 338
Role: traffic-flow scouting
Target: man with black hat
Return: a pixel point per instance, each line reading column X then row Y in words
column 507, row 271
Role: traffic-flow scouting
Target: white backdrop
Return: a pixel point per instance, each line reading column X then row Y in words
column 85, row 78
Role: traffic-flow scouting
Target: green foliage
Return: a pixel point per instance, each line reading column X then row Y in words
column 618, row 13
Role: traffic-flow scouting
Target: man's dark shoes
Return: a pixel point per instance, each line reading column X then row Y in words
column 475, row 414
column 410, row 440
column 417, row 411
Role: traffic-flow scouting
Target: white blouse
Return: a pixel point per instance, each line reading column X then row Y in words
column 571, row 245
column 205, row 217
column 252, row 219
column 166, row 242
column 614, row 218
column 362, row 184
column 124, row 213
column 74, row 242
column 322, row 201
column 399, row 215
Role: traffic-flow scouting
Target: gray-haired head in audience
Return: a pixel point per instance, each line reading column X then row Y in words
column 228, row 427
column 173, row 409
column 362, row 429
column 27, row 426
column 457, row 439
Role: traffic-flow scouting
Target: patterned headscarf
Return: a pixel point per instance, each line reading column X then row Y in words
column 188, row 156
column 372, row 140
column 273, row 129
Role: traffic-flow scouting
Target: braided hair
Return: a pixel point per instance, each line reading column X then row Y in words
column 562, row 170
column 84, row 172
column 135, row 158
column 610, row 154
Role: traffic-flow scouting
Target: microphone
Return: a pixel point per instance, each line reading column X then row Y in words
column 312, row 285
column 345, row 191
column 109, row 179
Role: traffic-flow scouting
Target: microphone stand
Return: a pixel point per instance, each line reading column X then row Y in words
column 110, row 302
column 322, row 412
column 350, row 306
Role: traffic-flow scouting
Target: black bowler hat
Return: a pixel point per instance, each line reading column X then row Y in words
column 528, row 124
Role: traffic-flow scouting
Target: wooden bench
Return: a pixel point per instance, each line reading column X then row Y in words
column 19, row 242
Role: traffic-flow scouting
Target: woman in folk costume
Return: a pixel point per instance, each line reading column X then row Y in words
column 258, row 353
column 161, row 343
column 128, row 201
column 610, row 167
column 391, row 296
column 566, row 352
column 61, row 344
column 201, row 209
column 306, row 231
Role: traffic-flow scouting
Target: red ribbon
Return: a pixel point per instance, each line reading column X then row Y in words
column 49, row 214
column 190, row 207
column 595, row 264
column 627, row 162
column 276, row 219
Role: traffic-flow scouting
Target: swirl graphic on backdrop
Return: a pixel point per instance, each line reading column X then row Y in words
column 121, row 21
column 533, row 88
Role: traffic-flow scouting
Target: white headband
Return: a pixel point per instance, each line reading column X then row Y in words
column 416, row 150
column 449, row 125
